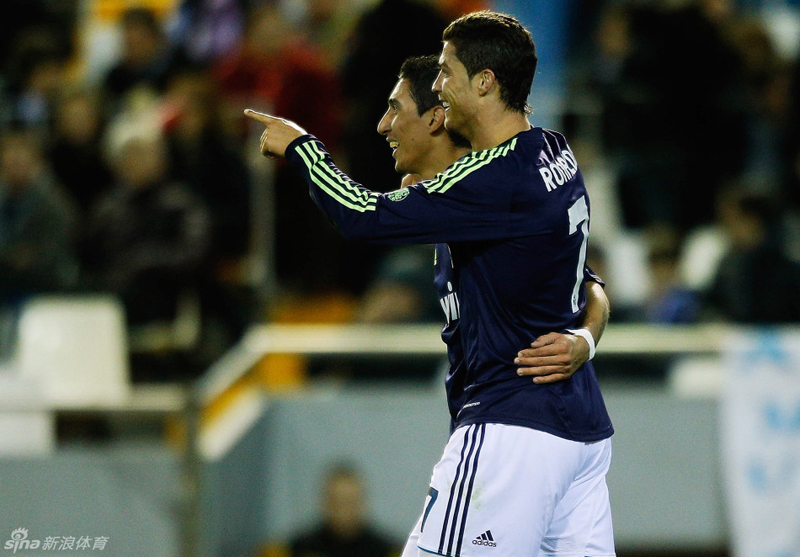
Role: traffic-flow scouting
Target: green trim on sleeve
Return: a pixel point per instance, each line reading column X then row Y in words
column 466, row 166
column 332, row 183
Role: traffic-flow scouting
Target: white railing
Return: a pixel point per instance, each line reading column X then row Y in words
column 424, row 340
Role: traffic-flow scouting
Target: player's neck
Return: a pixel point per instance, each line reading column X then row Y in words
column 497, row 126
column 442, row 156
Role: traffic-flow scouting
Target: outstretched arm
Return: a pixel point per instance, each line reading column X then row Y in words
column 556, row 356
column 429, row 212
column 277, row 135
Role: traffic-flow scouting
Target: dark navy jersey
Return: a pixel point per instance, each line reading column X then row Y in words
column 457, row 374
column 515, row 221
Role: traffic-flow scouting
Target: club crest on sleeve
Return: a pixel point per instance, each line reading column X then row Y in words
column 398, row 195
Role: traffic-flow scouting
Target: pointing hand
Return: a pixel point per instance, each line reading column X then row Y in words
column 278, row 133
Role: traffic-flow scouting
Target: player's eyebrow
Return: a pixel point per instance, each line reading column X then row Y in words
column 392, row 102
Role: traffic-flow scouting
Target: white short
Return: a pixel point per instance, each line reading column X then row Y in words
column 502, row 490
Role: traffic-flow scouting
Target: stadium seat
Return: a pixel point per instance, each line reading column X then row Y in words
column 75, row 347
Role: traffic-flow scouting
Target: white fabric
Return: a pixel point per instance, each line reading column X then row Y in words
column 587, row 336
column 525, row 492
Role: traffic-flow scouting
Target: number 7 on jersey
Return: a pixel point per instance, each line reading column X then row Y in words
column 579, row 219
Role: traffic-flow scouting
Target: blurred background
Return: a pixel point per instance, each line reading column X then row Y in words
column 193, row 362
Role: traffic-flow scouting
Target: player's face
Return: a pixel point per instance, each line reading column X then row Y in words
column 456, row 91
column 406, row 131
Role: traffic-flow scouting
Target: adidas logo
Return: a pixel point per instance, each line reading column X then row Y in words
column 485, row 539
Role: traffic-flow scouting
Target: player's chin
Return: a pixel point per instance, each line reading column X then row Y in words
column 450, row 122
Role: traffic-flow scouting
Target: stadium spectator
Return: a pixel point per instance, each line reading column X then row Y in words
column 147, row 238
column 75, row 146
column 147, row 59
column 344, row 529
column 36, row 72
column 670, row 301
column 37, row 222
column 756, row 281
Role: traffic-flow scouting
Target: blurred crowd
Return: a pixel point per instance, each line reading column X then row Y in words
column 126, row 165
column 698, row 124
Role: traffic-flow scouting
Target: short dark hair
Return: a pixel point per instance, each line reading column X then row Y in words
column 498, row 42
column 420, row 72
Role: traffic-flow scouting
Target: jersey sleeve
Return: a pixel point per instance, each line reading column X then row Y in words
column 453, row 207
column 591, row 276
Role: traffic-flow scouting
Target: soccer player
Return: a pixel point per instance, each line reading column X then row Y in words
column 422, row 148
column 524, row 471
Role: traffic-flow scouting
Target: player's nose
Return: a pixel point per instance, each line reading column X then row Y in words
column 385, row 126
column 437, row 84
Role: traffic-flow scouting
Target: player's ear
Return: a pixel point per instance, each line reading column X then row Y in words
column 436, row 121
column 486, row 81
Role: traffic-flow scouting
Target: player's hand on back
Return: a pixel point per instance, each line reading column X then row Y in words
column 278, row 133
column 552, row 357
